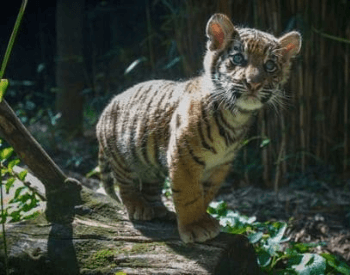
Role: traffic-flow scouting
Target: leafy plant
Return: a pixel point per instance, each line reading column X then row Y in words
column 276, row 255
column 25, row 199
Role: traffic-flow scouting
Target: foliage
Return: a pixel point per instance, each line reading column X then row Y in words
column 276, row 255
column 24, row 200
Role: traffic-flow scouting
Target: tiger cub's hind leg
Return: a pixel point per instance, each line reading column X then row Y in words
column 152, row 192
column 107, row 176
column 143, row 201
column 138, row 208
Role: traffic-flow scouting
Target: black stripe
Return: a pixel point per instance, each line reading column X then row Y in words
column 192, row 201
column 227, row 125
column 175, row 191
column 156, row 148
column 204, row 143
column 204, row 116
column 132, row 141
column 134, row 100
column 159, row 117
column 195, row 158
column 187, row 86
column 138, row 92
column 111, row 148
column 119, row 172
column 161, row 100
column 133, row 125
column 178, row 121
column 171, row 93
column 144, row 131
column 244, row 111
column 222, row 131
column 113, row 151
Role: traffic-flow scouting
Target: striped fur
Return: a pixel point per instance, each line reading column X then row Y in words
column 191, row 131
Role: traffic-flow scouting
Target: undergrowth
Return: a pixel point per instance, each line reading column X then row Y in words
column 24, row 198
column 276, row 253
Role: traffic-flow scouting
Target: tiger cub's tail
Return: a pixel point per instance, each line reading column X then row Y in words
column 107, row 176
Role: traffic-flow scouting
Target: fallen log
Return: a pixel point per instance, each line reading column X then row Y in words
column 101, row 240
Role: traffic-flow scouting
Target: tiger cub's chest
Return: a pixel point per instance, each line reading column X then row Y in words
column 229, row 130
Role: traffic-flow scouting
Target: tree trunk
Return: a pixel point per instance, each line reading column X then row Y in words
column 88, row 233
column 70, row 66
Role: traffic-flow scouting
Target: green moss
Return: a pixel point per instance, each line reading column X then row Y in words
column 141, row 248
column 108, row 257
column 102, row 258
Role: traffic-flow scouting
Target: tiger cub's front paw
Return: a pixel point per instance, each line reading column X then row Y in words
column 200, row 231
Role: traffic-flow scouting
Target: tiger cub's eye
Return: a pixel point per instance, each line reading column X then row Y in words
column 270, row 66
column 238, row 59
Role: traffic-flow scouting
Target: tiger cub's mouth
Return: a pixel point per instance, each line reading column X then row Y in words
column 252, row 98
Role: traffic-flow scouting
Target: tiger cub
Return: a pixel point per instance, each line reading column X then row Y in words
column 191, row 131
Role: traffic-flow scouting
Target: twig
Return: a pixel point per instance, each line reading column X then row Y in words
column 12, row 38
column 332, row 37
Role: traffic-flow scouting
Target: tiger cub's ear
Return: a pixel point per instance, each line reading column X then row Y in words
column 291, row 44
column 219, row 31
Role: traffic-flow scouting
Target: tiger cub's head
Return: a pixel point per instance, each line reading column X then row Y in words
column 247, row 66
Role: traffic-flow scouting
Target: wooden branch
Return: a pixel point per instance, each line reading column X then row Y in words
column 28, row 149
column 62, row 193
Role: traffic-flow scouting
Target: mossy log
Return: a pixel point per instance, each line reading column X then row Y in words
column 101, row 240
column 83, row 232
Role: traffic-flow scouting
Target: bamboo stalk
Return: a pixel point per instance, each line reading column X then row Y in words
column 346, row 106
column 245, row 162
column 281, row 155
column 264, row 152
column 301, row 118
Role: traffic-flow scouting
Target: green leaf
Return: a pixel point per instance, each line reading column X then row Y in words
column 6, row 153
column 15, row 216
column 133, row 65
column 338, row 265
column 3, row 87
column 17, row 193
column 9, row 184
column 255, row 237
column 308, row 264
column 12, row 164
column 245, row 142
column 95, row 171
column 4, row 171
column 219, row 208
column 264, row 258
column 22, row 175
column 264, row 142
column 272, row 244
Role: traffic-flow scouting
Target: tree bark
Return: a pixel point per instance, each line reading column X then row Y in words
column 88, row 233
column 70, row 66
